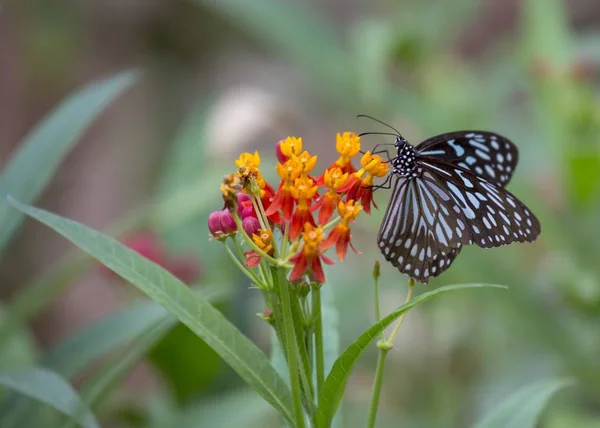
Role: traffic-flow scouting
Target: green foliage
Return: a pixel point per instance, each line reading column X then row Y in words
column 49, row 388
column 192, row 310
column 523, row 408
column 334, row 386
column 39, row 155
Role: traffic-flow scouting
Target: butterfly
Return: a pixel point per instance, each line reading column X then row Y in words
column 449, row 191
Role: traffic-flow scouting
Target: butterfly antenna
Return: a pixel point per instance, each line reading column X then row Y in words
column 377, row 133
column 377, row 120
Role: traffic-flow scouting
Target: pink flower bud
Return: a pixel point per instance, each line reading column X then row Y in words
column 227, row 222
column 214, row 223
column 243, row 200
column 251, row 225
column 248, row 212
column 280, row 156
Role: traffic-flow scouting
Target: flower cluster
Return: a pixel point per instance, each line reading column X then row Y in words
column 293, row 226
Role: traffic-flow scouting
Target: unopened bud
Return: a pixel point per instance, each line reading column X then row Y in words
column 251, row 225
column 227, row 222
column 214, row 223
column 248, row 212
column 376, row 270
column 243, row 200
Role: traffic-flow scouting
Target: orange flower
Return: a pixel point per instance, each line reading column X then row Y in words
column 361, row 188
column 264, row 240
column 310, row 257
column 289, row 171
column 340, row 235
column 333, row 179
column 288, row 147
column 303, row 192
column 348, row 146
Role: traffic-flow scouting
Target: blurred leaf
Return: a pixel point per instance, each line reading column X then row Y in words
column 49, row 388
column 40, row 153
column 583, row 175
column 98, row 339
column 250, row 411
column 195, row 312
column 523, row 409
column 99, row 385
column 192, row 368
column 18, row 349
column 335, row 383
column 296, row 31
column 546, row 31
column 373, row 45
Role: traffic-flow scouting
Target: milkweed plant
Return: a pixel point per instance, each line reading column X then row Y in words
column 280, row 237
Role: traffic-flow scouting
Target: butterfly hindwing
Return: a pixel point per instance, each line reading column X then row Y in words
column 486, row 154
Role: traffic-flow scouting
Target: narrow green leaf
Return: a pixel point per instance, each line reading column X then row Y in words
column 192, row 310
column 49, row 388
column 98, row 339
column 524, row 407
column 335, row 383
column 40, row 153
column 96, row 388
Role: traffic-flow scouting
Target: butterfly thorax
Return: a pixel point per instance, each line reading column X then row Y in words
column 403, row 163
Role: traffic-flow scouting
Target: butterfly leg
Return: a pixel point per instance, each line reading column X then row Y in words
column 387, row 184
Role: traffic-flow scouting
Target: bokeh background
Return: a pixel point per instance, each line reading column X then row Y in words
column 220, row 77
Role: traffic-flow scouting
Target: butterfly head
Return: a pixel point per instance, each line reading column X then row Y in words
column 404, row 162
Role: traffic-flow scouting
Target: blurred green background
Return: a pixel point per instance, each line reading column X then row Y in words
column 224, row 76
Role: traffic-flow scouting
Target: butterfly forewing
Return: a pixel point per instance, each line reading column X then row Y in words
column 419, row 233
column 494, row 216
column 486, row 154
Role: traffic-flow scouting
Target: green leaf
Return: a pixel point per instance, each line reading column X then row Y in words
column 335, row 383
column 298, row 33
column 49, row 388
column 40, row 153
column 546, row 31
column 96, row 388
column 524, row 407
column 192, row 310
column 98, row 339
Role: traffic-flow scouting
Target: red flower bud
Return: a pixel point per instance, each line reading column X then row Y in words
column 280, row 156
column 251, row 225
column 248, row 212
column 243, row 200
column 214, row 223
column 227, row 222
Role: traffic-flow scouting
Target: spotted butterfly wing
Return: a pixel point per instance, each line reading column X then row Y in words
column 488, row 155
column 448, row 193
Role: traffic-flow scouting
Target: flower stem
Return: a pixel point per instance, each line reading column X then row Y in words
column 384, row 347
column 411, row 286
column 376, row 296
column 252, row 244
column 290, row 343
column 377, row 386
column 318, row 320
column 241, row 267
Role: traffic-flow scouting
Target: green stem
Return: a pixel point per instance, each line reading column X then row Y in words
column 384, row 347
column 377, row 387
column 255, row 247
column 376, row 300
column 411, row 286
column 241, row 267
column 318, row 320
column 282, row 285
